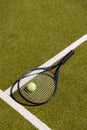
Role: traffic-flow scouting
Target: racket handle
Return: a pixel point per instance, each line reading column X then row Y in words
column 66, row 57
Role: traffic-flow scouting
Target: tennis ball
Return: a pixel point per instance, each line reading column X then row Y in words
column 31, row 86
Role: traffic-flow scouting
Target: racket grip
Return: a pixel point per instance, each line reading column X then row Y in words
column 66, row 57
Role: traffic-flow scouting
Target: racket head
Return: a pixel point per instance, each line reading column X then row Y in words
column 46, row 85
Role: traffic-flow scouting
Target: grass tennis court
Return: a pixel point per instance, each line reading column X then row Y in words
column 32, row 32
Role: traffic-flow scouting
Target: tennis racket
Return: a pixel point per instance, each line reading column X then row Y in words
column 44, row 80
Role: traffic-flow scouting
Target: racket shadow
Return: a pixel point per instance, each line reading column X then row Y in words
column 17, row 97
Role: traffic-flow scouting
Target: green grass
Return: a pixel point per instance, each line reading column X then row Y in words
column 31, row 32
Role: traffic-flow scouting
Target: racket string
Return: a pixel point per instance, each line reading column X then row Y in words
column 45, row 88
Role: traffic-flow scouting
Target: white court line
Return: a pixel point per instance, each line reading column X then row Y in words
column 24, row 112
column 29, row 116
column 57, row 57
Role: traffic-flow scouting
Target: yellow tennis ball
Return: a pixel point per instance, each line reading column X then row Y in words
column 31, row 86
